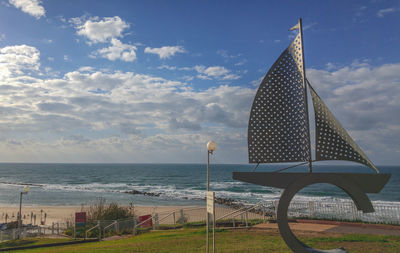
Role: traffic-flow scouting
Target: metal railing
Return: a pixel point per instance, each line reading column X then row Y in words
column 35, row 231
column 257, row 213
column 92, row 228
column 226, row 217
column 244, row 215
column 344, row 211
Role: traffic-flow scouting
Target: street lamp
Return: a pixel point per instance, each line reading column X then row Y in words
column 211, row 146
column 26, row 190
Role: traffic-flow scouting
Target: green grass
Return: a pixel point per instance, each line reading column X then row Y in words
column 31, row 242
column 243, row 240
column 352, row 238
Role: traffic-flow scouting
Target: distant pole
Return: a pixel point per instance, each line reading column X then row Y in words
column 213, row 229
column 208, row 169
column 19, row 215
column 26, row 190
column 208, row 188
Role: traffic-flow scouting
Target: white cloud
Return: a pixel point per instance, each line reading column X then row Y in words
column 229, row 57
column 359, row 63
column 86, row 69
column 308, row 26
column 241, row 63
column 16, row 59
column 230, row 77
column 32, row 7
column 167, row 67
column 366, row 101
column 257, row 82
column 100, row 30
column 187, row 78
column 165, row 52
column 330, row 66
column 133, row 110
column 383, row 12
column 206, row 73
column 203, row 77
column 132, row 116
column 225, row 54
column 118, row 51
column 217, row 72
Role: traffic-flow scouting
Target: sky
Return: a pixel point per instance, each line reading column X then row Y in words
column 154, row 81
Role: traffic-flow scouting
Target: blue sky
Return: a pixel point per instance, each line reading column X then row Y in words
column 153, row 81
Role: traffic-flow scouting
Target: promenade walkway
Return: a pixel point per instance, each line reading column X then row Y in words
column 336, row 227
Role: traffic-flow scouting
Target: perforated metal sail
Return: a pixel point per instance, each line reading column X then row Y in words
column 297, row 53
column 277, row 130
column 332, row 140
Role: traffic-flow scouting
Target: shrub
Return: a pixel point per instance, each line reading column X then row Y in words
column 12, row 224
column 101, row 211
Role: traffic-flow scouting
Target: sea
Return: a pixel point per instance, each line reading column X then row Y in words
column 165, row 184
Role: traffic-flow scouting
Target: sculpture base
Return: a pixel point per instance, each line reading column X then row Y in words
column 355, row 185
column 339, row 250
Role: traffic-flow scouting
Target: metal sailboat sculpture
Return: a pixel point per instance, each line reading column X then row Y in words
column 279, row 132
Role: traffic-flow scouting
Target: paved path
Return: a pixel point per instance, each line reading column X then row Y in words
column 337, row 227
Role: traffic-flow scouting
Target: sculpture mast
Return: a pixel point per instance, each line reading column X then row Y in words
column 300, row 26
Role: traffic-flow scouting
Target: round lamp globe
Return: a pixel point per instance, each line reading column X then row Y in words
column 211, row 146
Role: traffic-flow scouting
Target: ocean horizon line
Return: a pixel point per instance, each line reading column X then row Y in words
column 321, row 163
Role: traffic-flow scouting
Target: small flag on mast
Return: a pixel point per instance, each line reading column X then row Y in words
column 297, row 26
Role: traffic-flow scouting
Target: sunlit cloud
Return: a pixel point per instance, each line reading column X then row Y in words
column 91, row 111
column 32, row 7
column 165, row 52
column 100, row 30
column 383, row 12
column 117, row 51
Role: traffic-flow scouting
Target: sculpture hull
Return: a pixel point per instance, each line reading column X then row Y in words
column 355, row 185
column 368, row 183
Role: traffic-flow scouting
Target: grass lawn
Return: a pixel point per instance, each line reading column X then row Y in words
column 193, row 240
column 31, row 242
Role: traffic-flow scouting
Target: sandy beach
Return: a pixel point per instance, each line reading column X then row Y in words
column 62, row 214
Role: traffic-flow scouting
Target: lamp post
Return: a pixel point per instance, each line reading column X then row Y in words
column 211, row 146
column 26, row 190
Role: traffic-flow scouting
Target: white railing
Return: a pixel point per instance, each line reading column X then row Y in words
column 228, row 216
column 344, row 211
column 12, row 234
column 261, row 212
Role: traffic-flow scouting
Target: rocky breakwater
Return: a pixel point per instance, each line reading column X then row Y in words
column 221, row 201
column 135, row 192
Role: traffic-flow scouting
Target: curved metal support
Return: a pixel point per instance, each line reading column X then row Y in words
column 358, row 196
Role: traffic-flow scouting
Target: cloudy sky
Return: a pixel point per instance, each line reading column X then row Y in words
column 153, row 81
